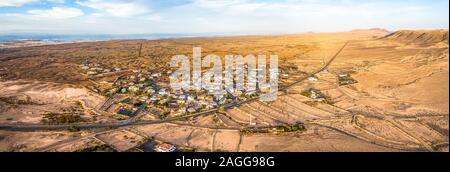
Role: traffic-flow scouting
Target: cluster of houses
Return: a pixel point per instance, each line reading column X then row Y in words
column 345, row 79
column 95, row 69
column 151, row 89
column 141, row 82
column 193, row 101
column 314, row 94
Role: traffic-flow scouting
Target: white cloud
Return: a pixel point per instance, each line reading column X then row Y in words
column 117, row 8
column 217, row 3
column 19, row 3
column 15, row 3
column 154, row 17
column 57, row 1
column 292, row 16
column 237, row 16
column 57, row 13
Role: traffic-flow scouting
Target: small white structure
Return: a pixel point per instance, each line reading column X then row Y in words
column 92, row 73
column 249, row 93
column 237, row 93
column 153, row 99
column 98, row 69
column 144, row 98
column 201, row 97
column 150, row 91
column 191, row 110
column 133, row 88
column 316, row 96
column 190, row 98
column 222, row 101
column 265, row 88
column 162, row 92
column 182, row 110
column 312, row 78
column 155, row 75
column 181, row 101
column 342, row 75
column 165, row 147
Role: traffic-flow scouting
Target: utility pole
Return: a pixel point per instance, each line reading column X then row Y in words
column 140, row 50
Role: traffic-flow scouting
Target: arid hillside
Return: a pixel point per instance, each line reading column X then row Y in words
column 420, row 37
column 411, row 66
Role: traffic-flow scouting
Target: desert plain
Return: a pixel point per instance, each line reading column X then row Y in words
column 397, row 99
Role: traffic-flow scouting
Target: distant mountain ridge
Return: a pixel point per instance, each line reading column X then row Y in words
column 85, row 37
column 372, row 29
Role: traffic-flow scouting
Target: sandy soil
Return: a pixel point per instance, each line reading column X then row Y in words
column 31, row 141
column 121, row 140
column 41, row 98
column 399, row 103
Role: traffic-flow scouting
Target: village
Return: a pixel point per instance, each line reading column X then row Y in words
column 134, row 91
column 137, row 90
column 147, row 95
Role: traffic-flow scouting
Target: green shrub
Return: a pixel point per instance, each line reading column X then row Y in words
column 73, row 129
column 55, row 118
column 306, row 93
column 98, row 148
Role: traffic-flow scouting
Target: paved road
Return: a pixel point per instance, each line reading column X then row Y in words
column 36, row 127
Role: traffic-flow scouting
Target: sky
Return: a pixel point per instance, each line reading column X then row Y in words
column 218, row 16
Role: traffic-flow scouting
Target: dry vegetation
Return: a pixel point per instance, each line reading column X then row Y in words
column 398, row 102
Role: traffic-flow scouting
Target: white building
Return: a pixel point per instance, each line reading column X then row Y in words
column 165, row 147
column 181, row 101
column 91, row 73
column 343, row 75
column 191, row 110
column 150, row 91
column 312, row 78
column 249, row 93
column 162, row 92
column 133, row 88
column 156, row 75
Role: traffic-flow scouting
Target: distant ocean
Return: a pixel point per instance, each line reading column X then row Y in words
column 80, row 38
